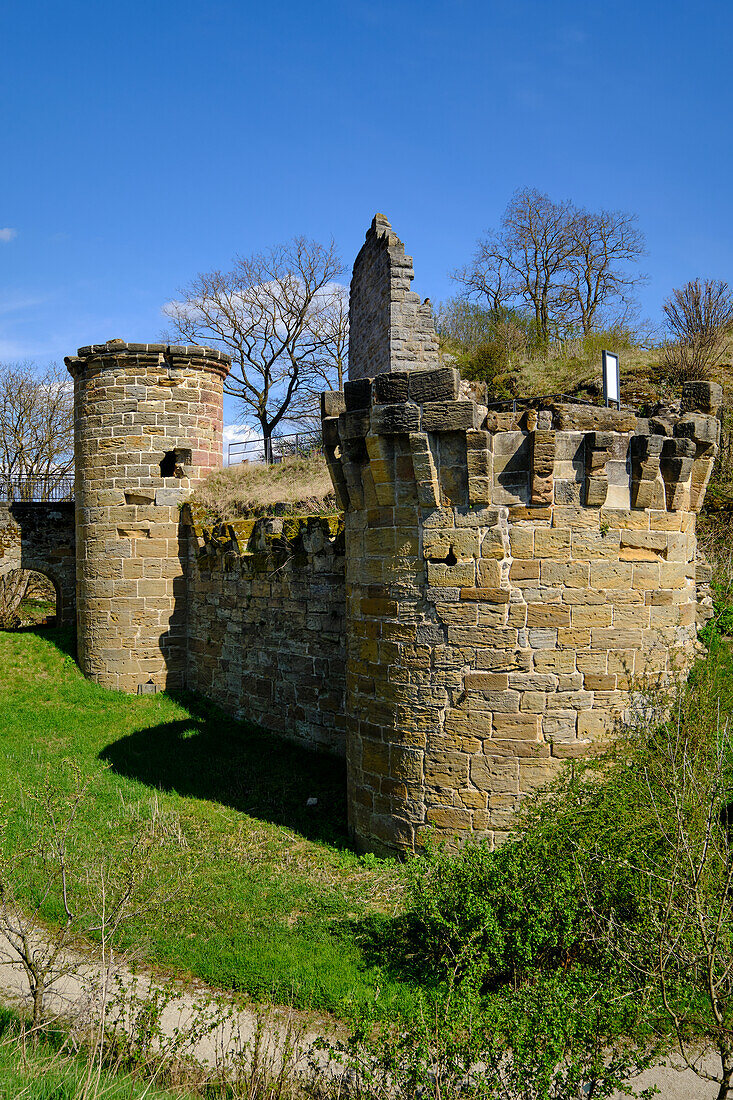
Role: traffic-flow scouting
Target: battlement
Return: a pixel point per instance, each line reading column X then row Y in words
column 262, row 539
column 117, row 354
column 539, row 454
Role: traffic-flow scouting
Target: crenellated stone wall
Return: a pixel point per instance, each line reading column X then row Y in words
column 510, row 578
column 265, row 602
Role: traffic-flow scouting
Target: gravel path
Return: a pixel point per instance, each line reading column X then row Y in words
column 212, row 1030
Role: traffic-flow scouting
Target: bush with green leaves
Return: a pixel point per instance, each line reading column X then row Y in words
column 529, row 906
column 603, row 929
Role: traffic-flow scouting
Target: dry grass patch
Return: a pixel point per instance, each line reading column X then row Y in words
column 293, row 486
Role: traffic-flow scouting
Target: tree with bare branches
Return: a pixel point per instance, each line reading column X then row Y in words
column 36, row 430
column 699, row 315
column 36, row 451
column 564, row 263
column 604, row 245
column 280, row 315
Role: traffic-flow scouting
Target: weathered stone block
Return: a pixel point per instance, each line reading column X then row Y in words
column 395, row 419
column 437, row 384
column 333, row 404
column 450, row 416
column 460, row 575
column 552, row 543
column 547, row 615
column 511, row 726
column 707, row 397
column 354, row 425
column 449, row 818
column 487, row 595
column 357, row 394
column 460, row 543
column 390, row 388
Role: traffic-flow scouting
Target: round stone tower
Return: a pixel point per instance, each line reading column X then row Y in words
column 147, row 427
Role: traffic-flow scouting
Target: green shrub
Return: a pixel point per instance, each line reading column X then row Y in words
column 531, row 905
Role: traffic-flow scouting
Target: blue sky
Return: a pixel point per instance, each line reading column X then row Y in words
column 144, row 142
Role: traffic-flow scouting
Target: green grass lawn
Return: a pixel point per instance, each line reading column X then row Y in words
column 261, row 893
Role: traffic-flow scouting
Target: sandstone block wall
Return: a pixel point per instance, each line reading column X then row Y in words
column 266, row 614
column 40, row 536
column 148, row 426
column 388, row 324
column 510, row 577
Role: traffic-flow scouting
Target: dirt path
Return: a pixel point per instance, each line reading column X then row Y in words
column 193, row 1021
column 210, row 1028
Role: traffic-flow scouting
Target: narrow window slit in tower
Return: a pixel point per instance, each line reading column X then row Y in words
column 168, row 464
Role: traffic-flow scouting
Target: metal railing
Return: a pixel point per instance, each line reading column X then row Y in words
column 29, row 490
column 275, row 449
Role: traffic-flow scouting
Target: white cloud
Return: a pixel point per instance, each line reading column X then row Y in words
column 8, row 234
column 241, row 433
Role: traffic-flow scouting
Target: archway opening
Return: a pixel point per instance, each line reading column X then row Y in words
column 27, row 599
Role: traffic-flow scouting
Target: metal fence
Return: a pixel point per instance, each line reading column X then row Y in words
column 36, row 489
column 277, row 448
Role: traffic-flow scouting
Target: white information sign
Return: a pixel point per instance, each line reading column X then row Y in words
column 611, row 379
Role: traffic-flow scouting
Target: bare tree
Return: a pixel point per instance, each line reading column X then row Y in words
column 603, row 245
column 525, row 260
column 698, row 316
column 36, row 430
column 562, row 262
column 275, row 314
column 36, row 451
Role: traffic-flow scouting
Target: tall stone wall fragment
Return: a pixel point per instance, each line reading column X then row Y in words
column 389, row 327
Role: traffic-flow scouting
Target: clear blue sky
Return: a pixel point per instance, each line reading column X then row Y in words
column 146, row 141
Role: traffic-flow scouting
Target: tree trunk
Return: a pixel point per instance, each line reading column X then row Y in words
column 38, row 1005
column 726, row 1066
column 12, row 590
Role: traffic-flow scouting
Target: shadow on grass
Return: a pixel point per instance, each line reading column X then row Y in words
column 395, row 944
column 211, row 756
column 62, row 637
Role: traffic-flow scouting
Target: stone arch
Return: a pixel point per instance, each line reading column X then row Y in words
column 40, row 536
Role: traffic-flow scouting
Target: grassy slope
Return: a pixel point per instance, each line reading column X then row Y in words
column 44, row 1071
column 574, row 367
column 270, row 896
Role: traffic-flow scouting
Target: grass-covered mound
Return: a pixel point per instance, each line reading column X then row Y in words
column 295, row 486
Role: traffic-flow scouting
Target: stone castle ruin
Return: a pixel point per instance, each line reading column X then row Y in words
column 496, row 585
